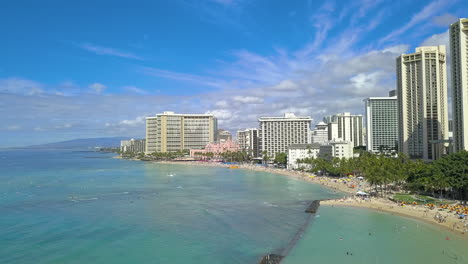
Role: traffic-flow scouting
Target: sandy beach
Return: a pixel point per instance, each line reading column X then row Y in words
column 350, row 187
column 419, row 212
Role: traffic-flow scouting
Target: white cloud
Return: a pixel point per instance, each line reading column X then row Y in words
column 285, row 85
column 221, row 114
column 426, row 13
column 364, row 84
column 100, row 50
column 13, row 128
column 139, row 120
column 20, row 86
column 208, row 81
column 398, row 49
column 134, row 89
column 445, row 20
column 97, row 87
column 128, row 125
column 248, row 99
column 222, row 104
column 64, row 126
column 437, row 39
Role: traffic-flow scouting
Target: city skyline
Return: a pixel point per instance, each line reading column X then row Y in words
column 60, row 80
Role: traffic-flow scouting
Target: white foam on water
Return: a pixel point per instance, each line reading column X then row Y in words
column 269, row 204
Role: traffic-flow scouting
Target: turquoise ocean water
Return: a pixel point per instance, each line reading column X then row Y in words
column 86, row 207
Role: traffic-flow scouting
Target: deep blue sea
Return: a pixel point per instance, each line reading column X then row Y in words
column 61, row 206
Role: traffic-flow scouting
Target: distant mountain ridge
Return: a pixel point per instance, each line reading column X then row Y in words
column 81, row 143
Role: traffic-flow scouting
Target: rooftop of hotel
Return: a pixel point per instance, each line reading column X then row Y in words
column 286, row 117
column 169, row 113
column 304, row 146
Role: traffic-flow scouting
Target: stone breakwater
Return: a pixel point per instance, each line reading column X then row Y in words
column 276, row 258
column 271, row 259
column 313, row 207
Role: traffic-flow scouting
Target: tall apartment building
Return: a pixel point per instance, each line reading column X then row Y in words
column 459, row 54
column 346, row 127
column 382, row 123
column 169, row 132
column 319, row 134
column 422, row 102
column 278, row 133
column 248, row 141
column 133, row 145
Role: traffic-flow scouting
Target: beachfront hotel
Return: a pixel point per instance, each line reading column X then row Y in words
column 337, row 149
column 320, row 133
column 216, row 148
column 458, row 35
column 249, row 141
column 170, row 132
column 382, row 123
column 278, row 133
column 422, row 103
column 346, row 127
column 302, row 151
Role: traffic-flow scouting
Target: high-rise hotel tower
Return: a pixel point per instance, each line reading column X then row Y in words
column 170, row 132
column 422, row 103
column 459, row 54
column 346, row 127
column 382, row 123
column 278, row 133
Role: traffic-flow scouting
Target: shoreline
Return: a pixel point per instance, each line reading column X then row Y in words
column 420, row 213
column 417, row 212
column 333, row 184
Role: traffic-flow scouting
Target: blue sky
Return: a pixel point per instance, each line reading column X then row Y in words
column 77, row 69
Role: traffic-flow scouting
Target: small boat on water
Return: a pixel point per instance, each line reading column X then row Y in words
column 233, row 167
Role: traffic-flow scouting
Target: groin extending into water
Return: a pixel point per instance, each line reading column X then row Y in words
column 276, row 258
column 271, row 259
column 313, row 207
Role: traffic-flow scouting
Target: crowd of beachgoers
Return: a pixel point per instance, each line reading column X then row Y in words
column 445, row 216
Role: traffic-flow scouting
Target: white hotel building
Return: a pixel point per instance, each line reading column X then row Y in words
column 337, row 149
column 382, row 124
column 459, row 54
column 278, row 133
column 346, row 127
column 301, row 151
column 320, row 133
column 422, row 102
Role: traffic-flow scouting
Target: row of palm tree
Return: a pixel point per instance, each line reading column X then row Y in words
column 445, row 177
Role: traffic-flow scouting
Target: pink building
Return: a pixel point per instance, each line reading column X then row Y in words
column 216, row 148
